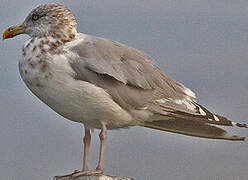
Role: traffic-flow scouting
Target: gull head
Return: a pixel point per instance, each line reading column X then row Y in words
column 46, row 20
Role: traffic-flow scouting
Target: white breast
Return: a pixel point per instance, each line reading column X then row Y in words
column 50, row 78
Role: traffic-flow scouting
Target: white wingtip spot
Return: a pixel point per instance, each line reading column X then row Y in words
column 189, row 92
column 234, row 123
column 216, row 118
column 202, row 112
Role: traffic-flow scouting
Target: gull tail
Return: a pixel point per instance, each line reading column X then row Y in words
column 192, row 128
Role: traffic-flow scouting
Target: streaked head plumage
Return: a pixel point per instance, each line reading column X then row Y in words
column 48, row 20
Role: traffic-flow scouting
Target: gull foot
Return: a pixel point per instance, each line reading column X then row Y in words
column 67, row 175
column 86, row 173
column 78, row 173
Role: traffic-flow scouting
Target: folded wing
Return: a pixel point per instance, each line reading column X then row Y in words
column 135, row 82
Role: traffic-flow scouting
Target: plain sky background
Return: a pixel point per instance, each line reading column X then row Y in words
column 201, row 43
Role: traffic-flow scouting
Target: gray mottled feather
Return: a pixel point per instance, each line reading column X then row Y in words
column 134, row 81
column 125, row 71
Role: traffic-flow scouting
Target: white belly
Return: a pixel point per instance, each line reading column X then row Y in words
column 76, row 100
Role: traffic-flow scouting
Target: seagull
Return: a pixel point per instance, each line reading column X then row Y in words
column 104, row 84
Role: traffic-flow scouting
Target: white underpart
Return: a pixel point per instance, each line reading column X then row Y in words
column 78, row 101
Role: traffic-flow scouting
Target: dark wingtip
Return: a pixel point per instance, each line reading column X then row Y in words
column 234, row 138
column 242, row 138
column 241, row 125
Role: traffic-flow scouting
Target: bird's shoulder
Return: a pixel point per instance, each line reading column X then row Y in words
column 93, row 47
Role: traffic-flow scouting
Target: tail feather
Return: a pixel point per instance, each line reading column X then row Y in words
column 192, row 128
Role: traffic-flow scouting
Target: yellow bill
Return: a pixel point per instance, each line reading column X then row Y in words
column 13, row 31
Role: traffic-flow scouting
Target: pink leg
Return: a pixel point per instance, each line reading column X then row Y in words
column 103, row 137
column 100, row 166
column 87, row 139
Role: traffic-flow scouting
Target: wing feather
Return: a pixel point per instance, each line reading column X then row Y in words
column 135, row 82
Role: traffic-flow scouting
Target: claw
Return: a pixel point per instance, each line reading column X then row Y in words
column 87, row 173
column 67, row 175
column 78, row 173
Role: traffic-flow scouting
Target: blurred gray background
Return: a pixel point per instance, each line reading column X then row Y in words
column 201, row 43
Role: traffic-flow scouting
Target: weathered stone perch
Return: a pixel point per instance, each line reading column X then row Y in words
column 95, row 177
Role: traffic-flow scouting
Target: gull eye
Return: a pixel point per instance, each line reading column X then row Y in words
column 35, row 17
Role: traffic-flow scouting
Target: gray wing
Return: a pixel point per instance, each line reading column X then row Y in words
column 135, row 82
column 124, row 72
